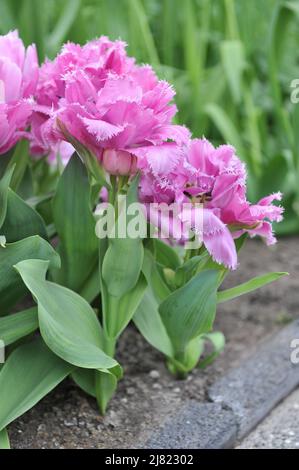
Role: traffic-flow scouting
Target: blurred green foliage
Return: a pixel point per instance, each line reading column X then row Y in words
column 231, row 61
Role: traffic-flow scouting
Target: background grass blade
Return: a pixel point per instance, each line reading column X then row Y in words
column 63, row 25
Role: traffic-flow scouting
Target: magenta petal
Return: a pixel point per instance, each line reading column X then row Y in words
column 11, row 76
column 30, row 72
column 179, row 134
column 218, row 240
column 119, row 89
column 264, row 230
column 102, row 130
column 12, row 48
column 160, row 158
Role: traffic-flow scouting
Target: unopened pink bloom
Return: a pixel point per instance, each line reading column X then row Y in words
column 119, row 162
column 18, row 79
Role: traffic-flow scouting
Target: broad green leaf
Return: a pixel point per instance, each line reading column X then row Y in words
column 67, row 323
column 118, row 311
column 21, row 220
column 166, row 255
column 18, row 325
column 122, row 265
column 4, row 440
column 85, row 379
column 4, row 185
column 123, row 259
column 154, row 277
column 30, row 372
column 184, row 273
column 187, row 359
column 190, row 311
column 12, row 288
column 19, row 162
column 105, row 386
column 217, row 339
column 248, row 286
column 75, row 226
column 91, row 288
column 4, row 162
column 148, row 321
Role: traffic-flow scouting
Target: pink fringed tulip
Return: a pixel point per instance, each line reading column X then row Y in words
column 107, row 102
column 18, row 79
column 97, row 58
column 215, row 178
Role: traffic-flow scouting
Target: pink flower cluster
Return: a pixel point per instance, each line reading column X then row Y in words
column 123, row 113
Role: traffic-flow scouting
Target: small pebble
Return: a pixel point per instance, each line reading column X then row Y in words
column 154, row 374
column 157, row 386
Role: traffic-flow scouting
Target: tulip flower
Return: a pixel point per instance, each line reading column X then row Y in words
column 18, row 80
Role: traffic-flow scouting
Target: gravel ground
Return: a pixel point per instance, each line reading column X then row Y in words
column 280, row 430
column 148, row 394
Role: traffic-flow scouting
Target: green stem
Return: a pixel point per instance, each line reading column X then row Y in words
column 109, row 346
column 176, row 365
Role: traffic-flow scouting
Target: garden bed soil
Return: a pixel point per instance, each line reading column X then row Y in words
column 147, row 395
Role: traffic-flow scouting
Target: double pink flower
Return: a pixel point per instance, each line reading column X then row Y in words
column 216, row 179
column 18, row 80
column 108, row 104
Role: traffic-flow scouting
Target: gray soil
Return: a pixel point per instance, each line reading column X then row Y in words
column 67, row 418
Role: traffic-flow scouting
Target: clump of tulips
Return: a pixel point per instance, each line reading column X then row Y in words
column 109, row 213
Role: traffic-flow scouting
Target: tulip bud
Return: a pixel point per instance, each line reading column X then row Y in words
column 119, row 162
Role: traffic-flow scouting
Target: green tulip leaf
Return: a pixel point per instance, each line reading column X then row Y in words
column 30, row 372
column 190, row 311
column 85, row 379
column 123, row 259
column 75, row 225
column 21, row 220
column 4, row 440
column 16, row 326
column 248, row 286
column 67, row 322
column 4, row 186
column 148, row 321
column 12, row 288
